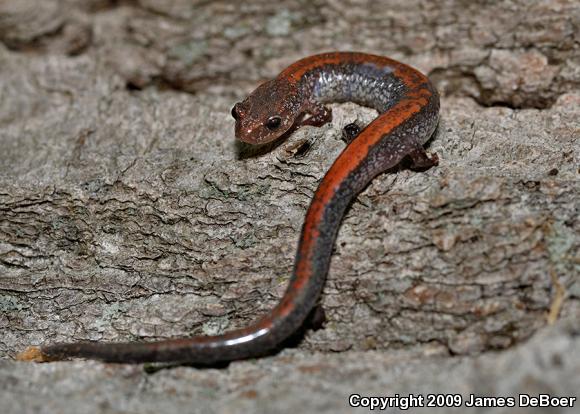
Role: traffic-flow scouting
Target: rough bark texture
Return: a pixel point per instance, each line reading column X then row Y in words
column 127, row 211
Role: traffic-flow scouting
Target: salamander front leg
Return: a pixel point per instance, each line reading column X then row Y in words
column 350, row 132
column 319, row 115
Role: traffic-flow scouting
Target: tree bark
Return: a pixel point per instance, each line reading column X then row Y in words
column 128, row 211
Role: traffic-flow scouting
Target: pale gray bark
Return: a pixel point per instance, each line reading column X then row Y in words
column 128, row 211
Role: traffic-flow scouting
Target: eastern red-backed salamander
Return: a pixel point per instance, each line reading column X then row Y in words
column 409, row 111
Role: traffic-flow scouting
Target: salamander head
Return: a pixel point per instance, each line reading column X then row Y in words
column 268, row 112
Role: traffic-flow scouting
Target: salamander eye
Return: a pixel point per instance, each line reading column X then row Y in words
column 273, row 122
column 235, row 112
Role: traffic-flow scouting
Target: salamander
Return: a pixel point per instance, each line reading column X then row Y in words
column 408, row 107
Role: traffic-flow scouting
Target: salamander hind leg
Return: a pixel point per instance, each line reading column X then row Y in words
column 316, row 318
column 420, row 160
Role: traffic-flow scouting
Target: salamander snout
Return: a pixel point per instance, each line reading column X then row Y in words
column 259, row 128
column 266, row 114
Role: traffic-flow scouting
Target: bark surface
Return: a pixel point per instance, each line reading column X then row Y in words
column 128, row 211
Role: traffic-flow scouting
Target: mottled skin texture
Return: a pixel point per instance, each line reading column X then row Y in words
column 409, row 111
